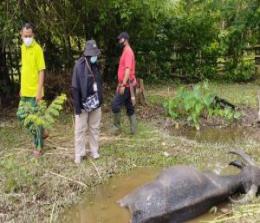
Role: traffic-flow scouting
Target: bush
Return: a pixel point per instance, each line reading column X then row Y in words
column 242, row 71
column 193, row 103
column 41, row 116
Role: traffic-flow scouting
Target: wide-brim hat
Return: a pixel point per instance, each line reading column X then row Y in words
column 91, row 49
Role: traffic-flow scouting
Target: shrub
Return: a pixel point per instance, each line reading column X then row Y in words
column 195, row 102
column 244, row 71
column 42, row 115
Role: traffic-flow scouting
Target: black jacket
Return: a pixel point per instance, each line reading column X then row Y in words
column 82, row 83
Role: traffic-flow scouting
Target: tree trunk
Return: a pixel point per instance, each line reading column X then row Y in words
column 5, row 82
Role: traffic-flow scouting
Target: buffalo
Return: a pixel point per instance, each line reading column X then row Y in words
column 181, row 193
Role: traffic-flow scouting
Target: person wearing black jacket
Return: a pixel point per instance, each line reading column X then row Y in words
column 86, row 80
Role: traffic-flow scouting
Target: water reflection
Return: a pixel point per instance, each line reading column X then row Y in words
column 229, row 135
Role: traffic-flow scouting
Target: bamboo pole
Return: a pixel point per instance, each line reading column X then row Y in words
column 69, row 179
column 258, row 96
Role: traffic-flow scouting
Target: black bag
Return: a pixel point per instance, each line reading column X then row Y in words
column 92, row 102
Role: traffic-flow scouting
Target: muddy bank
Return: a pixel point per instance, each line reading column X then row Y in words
column 214, row 130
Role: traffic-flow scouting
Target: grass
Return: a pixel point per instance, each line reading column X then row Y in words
column 236, row 94
column 239, row 94
column 29, row 187
column 38, row 190
column 249, row 213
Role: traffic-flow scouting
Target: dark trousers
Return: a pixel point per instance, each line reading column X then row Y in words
column 120, row 100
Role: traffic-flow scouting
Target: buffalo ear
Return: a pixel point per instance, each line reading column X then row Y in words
column 237, row 163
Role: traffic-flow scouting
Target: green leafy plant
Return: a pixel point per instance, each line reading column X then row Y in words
column 196, row 102
column 244, row 70
column 227, row 113
column 42, row 115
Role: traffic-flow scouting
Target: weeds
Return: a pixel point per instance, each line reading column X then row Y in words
column 15, row 177
column 195, row 103
column 245, row 213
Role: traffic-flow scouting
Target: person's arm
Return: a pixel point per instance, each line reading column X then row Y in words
column 76, row 95
column 40, row 86
column 20, row 69
column 76, row 100
column 41, row 67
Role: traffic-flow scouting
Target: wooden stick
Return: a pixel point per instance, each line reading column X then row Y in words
column 142, row 92
column 50, row 144
column 258, row 96
column 12, row 195
column 67, row 178
column 59, row 154
column 52, row 211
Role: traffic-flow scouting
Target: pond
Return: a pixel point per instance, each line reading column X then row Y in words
column 100, row 206
column 228, row 135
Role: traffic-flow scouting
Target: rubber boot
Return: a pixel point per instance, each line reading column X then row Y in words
column 116, row 123
column 133, row 124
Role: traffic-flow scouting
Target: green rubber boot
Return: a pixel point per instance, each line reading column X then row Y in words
column 116, row 128
column 133, row 124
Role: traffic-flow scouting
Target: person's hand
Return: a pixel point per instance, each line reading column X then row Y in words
column 121, row 90
column 133, row 101
column 38, row 97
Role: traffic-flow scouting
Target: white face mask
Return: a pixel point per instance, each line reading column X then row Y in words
column 28, row 41
column 93, row 59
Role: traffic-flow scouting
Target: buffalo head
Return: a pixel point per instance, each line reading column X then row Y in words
column 250, row 176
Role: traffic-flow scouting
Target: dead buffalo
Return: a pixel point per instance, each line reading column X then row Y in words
column 181, row 193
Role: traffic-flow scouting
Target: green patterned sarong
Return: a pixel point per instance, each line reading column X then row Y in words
column 21, row 115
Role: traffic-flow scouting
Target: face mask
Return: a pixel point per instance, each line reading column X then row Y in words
column 28, row 41
column 93, row 59
column 122, row 44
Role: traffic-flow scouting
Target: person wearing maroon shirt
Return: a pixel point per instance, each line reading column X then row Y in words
column 126, row 76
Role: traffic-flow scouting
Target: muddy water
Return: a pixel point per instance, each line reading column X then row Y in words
column 230, row 135
column 101, row 205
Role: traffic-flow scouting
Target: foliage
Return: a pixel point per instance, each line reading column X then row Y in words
column 182, row 39
column 196, row 102
column 41, row 116
column 244, row 70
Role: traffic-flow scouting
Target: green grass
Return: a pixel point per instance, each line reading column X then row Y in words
column 37, row 190
column 239, row 94
column 36, row 184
